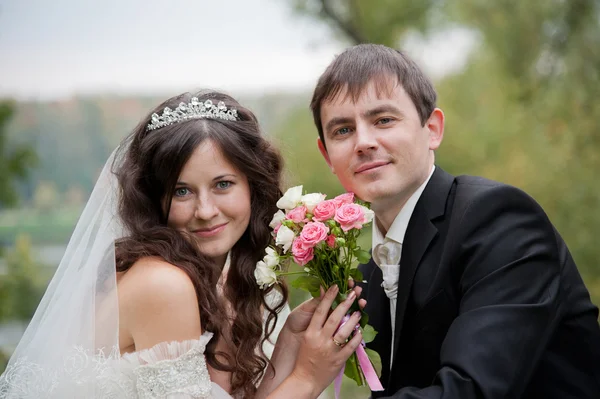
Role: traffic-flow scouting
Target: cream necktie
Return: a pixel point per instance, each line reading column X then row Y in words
column 387, row 257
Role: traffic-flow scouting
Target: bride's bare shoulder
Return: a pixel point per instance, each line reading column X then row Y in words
column 152, row 278
column 158, row 303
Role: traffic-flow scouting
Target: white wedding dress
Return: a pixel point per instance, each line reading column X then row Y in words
column 174, row 370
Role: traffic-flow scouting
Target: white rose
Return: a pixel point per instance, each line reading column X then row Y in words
column 271, row 259
column 285, row 237
column 277, row 219
column 369, row 214
column 264, row 275
column 311, row 200
column 290, row 199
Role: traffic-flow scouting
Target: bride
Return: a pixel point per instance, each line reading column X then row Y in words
column 156, row 296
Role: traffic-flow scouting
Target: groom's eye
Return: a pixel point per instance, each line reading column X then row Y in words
column 343, row 130
column 384, row 121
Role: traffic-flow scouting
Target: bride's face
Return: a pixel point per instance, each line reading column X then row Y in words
column 211, row 201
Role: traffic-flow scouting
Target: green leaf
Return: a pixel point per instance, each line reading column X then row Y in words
column 352, row 371
column 356, row 275
column 308, row 283
column 375, row 360
column 362, row 256
column 364, row 319
column 368, row 333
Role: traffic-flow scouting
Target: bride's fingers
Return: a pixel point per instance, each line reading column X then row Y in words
column 362, row 303
column 309, row 305
column 338, row 314
column 352, row 345
column 344, row 332
column 322, row 310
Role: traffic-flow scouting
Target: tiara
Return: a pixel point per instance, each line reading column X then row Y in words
column 192, row 110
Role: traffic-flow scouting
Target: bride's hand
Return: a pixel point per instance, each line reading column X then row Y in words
column 324, row 346
column 299, row 319
column 293, row 339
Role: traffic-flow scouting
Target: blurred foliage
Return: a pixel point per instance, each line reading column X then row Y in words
column 3, row 361
column 43, row 227
column 22, row 284
column 15, row 160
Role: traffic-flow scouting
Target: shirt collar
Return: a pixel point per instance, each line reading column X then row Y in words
column 400, row 224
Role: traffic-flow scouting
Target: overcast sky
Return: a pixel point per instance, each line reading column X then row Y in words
column 58, row 48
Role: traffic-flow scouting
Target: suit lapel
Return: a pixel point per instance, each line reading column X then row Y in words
column 419, row 234
column 378, row 309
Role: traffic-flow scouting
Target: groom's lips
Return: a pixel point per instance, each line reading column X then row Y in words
column 370, row 166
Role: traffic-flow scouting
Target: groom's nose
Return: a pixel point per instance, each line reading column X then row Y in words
column 365, row 140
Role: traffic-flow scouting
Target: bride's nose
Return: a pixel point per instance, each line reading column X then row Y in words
column 206, row 209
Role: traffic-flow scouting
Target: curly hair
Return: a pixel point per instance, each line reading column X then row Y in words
column 147, row 178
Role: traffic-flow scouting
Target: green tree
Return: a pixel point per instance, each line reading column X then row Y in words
column 20, row 290
column 23, row 283
column 372, row 21
column 15, row 160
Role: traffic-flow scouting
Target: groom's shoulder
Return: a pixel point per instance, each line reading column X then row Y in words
column 472, row 186
column 476, row 182
column 472, row 190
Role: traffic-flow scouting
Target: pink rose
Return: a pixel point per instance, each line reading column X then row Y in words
column 313, row 233
column 331, row 241
column 346, row 198
column 324, row 210
column 302, row 254
column 297, row 215
column 350, row 216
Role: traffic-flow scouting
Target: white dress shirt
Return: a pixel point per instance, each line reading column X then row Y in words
column 387, row 251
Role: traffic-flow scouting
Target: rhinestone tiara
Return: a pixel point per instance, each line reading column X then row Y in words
column 192, row 110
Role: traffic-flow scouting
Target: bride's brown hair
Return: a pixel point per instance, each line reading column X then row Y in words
column 147, row 177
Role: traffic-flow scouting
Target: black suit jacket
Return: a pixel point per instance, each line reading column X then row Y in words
column 490, row 303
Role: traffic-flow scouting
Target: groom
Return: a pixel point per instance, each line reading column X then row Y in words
column 472, row 290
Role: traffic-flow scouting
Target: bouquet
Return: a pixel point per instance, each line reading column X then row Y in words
column 320, row 236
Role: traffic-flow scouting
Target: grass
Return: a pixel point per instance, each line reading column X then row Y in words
column 50, row 227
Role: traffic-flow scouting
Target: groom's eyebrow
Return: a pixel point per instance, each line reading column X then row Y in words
column 382, row 109
column 337, row 121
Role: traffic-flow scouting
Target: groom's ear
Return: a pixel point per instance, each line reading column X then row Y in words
column 435, row 126
column 325, row 154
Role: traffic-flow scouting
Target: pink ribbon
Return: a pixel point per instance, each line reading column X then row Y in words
column 365, row 365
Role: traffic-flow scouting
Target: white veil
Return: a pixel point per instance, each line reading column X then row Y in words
column 75, row 328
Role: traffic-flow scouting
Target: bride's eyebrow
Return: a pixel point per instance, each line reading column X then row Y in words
column 224, row 176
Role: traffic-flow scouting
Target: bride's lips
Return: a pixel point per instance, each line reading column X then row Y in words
column 210, row 231
column 367, row 167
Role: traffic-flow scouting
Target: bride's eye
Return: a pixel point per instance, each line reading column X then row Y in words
column 224, row 184
column 181, row 192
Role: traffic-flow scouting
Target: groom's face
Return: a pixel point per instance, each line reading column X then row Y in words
column 377, row 145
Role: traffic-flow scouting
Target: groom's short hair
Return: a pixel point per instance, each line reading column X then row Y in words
column 357, row 66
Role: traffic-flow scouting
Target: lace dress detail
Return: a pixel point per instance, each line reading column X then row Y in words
column 174, row 370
